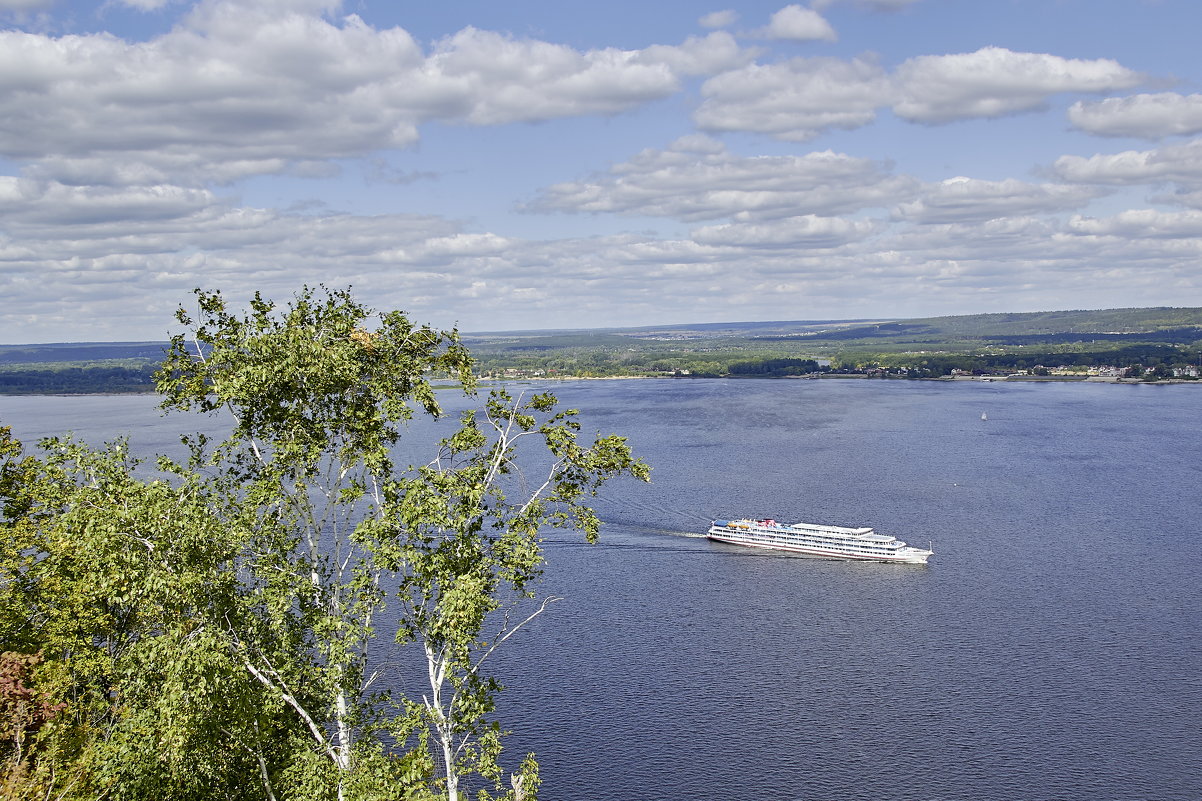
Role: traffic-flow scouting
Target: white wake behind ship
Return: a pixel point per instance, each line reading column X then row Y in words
column 832, row 542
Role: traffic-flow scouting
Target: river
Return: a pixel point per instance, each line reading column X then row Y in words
column 1052, row 649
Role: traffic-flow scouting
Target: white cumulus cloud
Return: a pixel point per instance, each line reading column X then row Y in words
column 698, row 179
column 966, row 199
column 799, row 24
column 1175, row 163
column 801, row 98
column 794, row 100
column 115, row 146
column 1148, row 116
column 24, row 202
column 994, row 81
column 808, row 231
column 242, row 89
column 1142, row 224
column 719, row 19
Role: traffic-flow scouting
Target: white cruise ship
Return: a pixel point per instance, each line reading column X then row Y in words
column 832, row 542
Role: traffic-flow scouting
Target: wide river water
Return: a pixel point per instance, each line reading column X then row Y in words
column 1051, row 650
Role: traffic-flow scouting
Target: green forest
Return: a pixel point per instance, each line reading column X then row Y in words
column 1152, row 343
column 72, row 379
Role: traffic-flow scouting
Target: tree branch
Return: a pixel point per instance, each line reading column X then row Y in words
column 290, row 699
column 550, row 599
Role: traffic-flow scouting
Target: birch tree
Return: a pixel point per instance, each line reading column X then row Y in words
column 318, row 394
column 214, row 626
column 469, row 554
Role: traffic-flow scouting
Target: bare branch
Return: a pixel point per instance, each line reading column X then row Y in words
column 550, row 599
column 534, row 496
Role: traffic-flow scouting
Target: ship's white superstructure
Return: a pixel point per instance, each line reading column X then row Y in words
column 833, row 542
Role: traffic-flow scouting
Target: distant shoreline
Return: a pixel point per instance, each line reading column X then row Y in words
column 860, row 377
column 819, row 377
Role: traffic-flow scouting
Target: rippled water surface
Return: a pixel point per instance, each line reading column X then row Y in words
column 1051, row 650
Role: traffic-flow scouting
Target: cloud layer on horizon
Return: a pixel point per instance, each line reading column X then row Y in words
column 129, row 155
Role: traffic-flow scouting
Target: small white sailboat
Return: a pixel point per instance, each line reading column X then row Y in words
column 983, row 416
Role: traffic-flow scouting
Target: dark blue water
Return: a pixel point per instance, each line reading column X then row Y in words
column 1051, row 650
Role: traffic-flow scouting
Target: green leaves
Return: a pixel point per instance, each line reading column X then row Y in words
column 469, row 532
column 210, row 629
column 115, row 579
column 326, row 376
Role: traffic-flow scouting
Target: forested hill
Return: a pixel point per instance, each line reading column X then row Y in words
column 1146, row 338
column 81, row 352
column 1058, row 326
column 71, row 368
column 960, row 327
column 935, row 345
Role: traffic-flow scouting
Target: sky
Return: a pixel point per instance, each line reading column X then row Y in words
column 547, row 164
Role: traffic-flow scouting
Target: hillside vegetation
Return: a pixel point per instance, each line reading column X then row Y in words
column 983, row 343
column 1151, row 343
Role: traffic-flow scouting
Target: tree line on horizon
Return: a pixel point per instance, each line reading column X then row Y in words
column 73, row 380
column 1143, row 339
column 1151, row 360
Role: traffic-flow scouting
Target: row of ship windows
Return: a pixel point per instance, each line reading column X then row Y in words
column 804, row 541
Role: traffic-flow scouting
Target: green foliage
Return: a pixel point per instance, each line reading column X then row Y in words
column 110, row 578
column 468, row 552
column 203, row 629
column 775, row 367
column 72, row 379
column 712, row 350
column 988, row 342
column 989, row 361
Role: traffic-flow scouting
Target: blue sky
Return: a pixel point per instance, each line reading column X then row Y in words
column 537, row 164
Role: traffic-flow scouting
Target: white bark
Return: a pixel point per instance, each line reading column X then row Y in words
column 290, row 699
column 436, row 668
